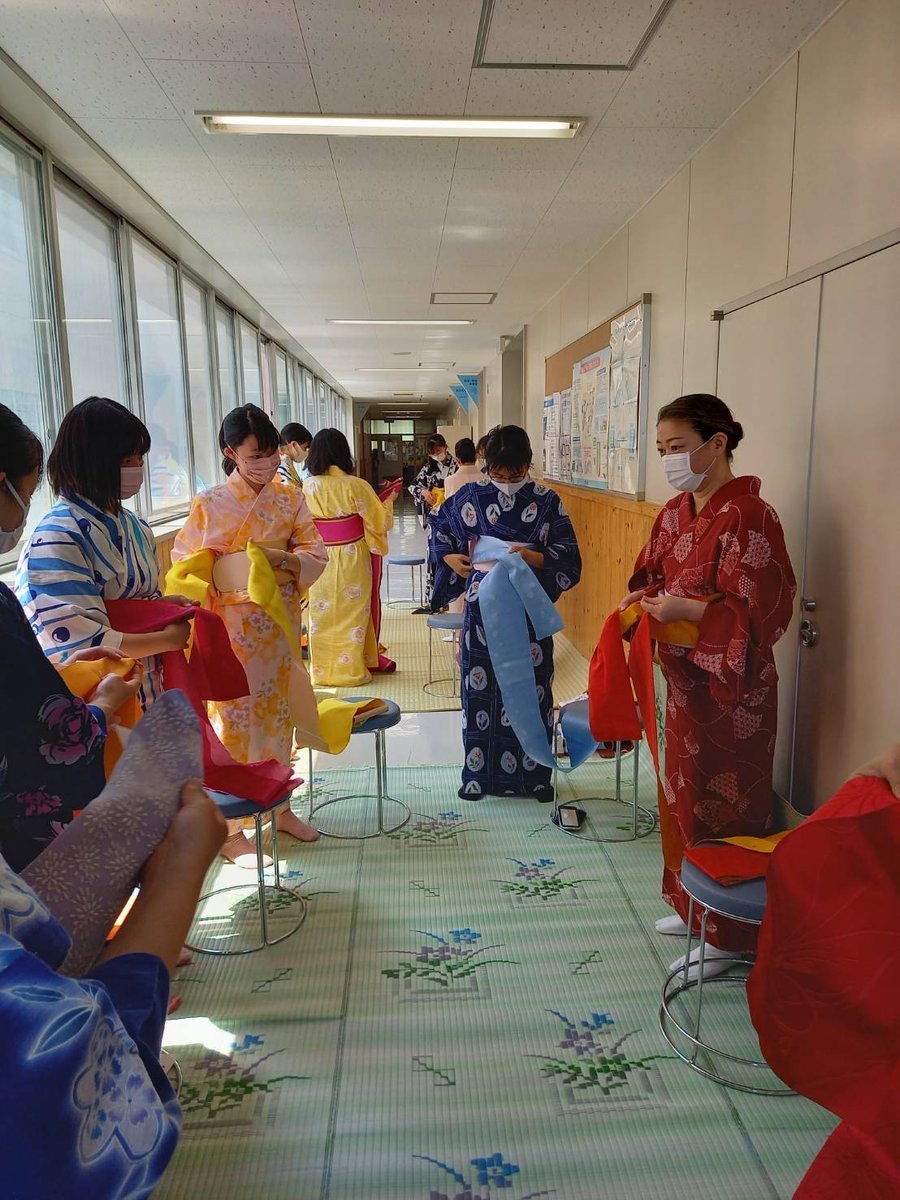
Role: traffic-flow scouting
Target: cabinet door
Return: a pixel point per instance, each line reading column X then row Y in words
column 767, row 371
column 848, row 704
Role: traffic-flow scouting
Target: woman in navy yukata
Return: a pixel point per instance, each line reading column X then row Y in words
column 511, row 506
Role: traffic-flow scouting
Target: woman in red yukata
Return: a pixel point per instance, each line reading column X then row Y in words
column 717, row 558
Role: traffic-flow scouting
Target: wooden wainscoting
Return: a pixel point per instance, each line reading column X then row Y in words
column 611, row 533
column 164, row 543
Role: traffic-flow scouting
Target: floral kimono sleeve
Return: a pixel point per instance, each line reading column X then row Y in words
column 375, row 518
column 306, row 541
column 758, row 588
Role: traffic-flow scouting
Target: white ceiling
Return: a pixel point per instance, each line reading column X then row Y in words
column 317, row 228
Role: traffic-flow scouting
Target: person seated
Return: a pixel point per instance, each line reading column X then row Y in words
column 51, row 742
column 294, row 448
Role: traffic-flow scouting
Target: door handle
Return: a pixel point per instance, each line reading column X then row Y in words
column 809, row 635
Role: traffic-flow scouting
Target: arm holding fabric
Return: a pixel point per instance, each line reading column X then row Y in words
column 305, row 546
column 377, row 519
column 561, row 568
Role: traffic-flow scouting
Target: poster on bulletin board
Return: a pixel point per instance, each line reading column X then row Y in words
column 590, row 419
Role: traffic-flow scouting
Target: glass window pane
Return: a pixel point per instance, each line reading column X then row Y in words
column 322, row 415
column 90, row 278
column 204, row 425
column 27, row 380
column 250, row 364
column 228, row 387
column 162, row 377
column 282, row 392
column 309, row 402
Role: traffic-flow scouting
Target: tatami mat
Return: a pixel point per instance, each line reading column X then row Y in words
column 469, row 1013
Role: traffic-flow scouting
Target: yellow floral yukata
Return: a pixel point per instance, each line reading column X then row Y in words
column 343, row 641
column 224, row 519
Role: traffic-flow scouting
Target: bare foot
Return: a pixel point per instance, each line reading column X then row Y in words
column 242, row 852
column 288, row 822
column 184, row 958
column 173, row 1005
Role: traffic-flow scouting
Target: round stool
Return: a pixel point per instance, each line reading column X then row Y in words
column 574, row 724
column 744, row 902
column 377, row 726
column 274, row 900
column 452, row 622
column 406, row 560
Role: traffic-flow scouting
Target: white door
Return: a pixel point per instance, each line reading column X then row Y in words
column 848, row 704
column 767, row 371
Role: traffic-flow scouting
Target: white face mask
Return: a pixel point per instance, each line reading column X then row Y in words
column 131, row 481
column 681, row 476
column 9, row 538
column 509, row 489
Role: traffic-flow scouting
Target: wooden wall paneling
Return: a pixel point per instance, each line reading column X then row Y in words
column 164, row 544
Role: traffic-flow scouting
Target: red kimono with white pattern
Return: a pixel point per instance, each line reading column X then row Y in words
column 722, row 705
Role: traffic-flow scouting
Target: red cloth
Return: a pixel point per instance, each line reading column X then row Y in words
column 824, row 992
column 728, row 864
column 389, row 489
column 611, row 709
column 213, row 673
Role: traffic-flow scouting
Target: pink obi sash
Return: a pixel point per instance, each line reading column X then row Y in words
column 340, row 531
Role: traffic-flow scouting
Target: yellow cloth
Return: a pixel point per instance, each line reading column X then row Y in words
column 336, row 721
column 83, row 678
column 439, row 497
column 763, row 845
column 673, row 633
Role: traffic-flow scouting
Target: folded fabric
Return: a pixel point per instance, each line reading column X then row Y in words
column 734, row 860
column 83, row 678
column 338, row 718
column 214, row 673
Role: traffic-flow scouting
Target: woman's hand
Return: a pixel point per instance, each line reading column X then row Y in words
column 281, row 560
column 112, row 692
column 534, row 558
column 886, row 766
column 632, row 598
column 667, row 609
column 460, row 564
column 428, row 496
column 181, row 601
column 175, row 636
column 193, row 839
column 94, row 654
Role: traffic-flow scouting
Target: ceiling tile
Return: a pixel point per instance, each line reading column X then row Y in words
column 237, row 87
column 224, row 31
column 578, row 31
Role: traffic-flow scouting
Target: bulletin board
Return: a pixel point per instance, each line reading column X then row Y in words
column 595, row 405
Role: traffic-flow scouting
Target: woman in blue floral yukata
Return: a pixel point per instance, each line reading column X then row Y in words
column 511, row 508
column 88, row 1111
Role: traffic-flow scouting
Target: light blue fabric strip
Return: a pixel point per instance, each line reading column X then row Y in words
column 508, row 593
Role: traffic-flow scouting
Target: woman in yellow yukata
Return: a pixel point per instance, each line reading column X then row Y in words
column 344, row 604
column 254, row 506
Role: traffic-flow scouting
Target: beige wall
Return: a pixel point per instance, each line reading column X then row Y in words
column 809, row 167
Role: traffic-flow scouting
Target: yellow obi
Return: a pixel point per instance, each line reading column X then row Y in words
column 671, row 633
column 82, row 680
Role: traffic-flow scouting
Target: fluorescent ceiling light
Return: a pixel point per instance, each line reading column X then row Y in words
column 393, row 370
column 393, row 321
column 332, row 125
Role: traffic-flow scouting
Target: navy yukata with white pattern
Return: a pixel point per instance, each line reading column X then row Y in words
column 495, row 763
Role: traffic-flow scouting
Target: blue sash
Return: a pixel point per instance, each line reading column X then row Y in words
column 509, row 593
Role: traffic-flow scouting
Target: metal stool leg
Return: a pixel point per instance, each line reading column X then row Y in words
column 634, row 788
column 387, row 576
column 380, row 754
column 261, row 878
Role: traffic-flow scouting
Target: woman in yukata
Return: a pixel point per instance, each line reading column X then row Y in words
column 254, row 505
column 94, row 1114
column 509, row 506
column 89, row 548
column 344, row 604
column 716, row 557
column 430, row 480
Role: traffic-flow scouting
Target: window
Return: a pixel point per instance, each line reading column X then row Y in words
column 322, row 391
column 162, row 377
column 27, row 363
column 282, row 391
column 204, row 417
column 250, row 364
column 92, row 300
column 228, row 381
column 310, row 417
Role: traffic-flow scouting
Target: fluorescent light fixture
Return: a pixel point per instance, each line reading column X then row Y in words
column 393, row 370
column 334, row 125
column 394, row 321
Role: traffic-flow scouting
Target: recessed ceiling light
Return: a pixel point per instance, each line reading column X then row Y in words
column 394, row 321
column 333, row 125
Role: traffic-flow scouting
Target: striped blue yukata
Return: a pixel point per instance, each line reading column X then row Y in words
column 76, row 558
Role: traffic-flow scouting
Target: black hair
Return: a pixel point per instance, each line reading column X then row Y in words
column 464, row 451
column 20, row 451
column 507, row 447
column 329, row 449
column 437, row 441
column 482, row 442
column 94, row 439
column 295, row 432
column 707, row 415
column 244, row 422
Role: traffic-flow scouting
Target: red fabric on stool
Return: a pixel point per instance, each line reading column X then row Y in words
column 728, row 864
column 213, row 673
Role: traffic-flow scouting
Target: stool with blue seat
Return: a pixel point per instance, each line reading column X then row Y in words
column 377, row 725
column 274, row 900
column 406, row 560
column 744, row 902
column 447, row 622
column 574, row 726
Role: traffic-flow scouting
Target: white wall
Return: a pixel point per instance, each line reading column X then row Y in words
column 809, row 167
